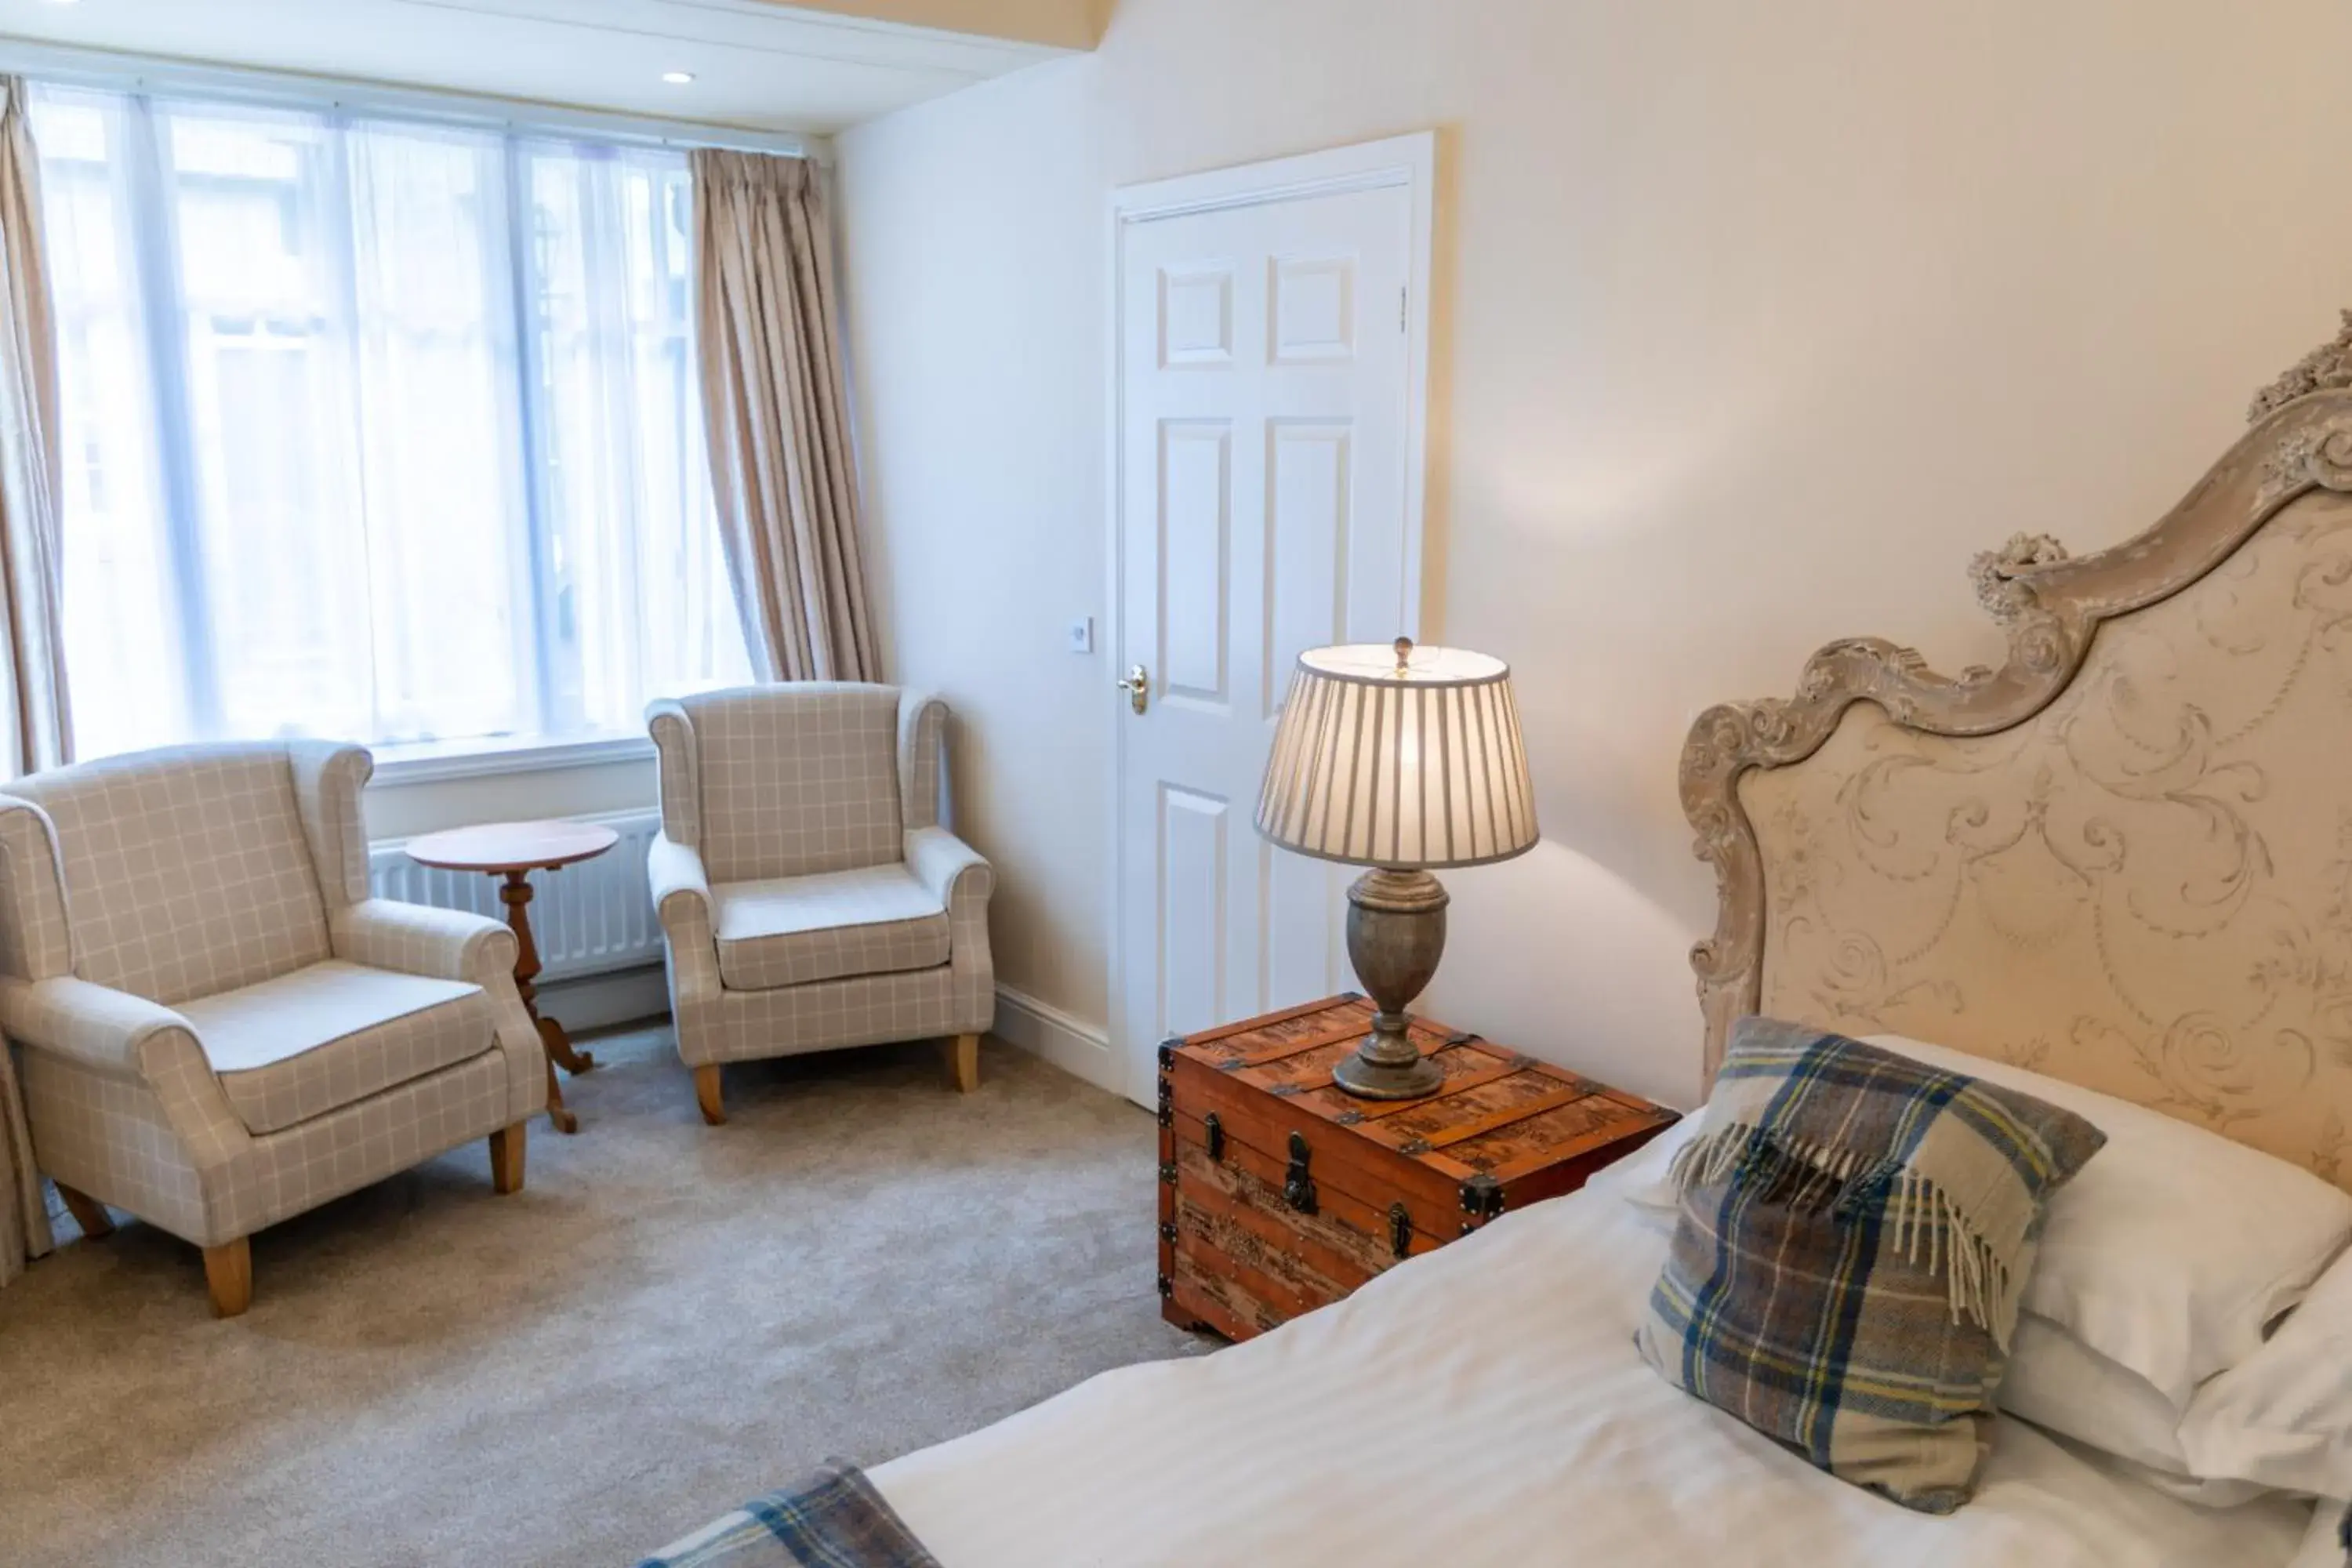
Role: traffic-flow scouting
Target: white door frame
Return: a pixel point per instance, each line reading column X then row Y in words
column 1409, row 160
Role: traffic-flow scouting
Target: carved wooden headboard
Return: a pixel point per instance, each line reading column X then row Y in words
column 2123, row 858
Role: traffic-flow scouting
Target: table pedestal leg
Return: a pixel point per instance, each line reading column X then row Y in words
column 516, row 896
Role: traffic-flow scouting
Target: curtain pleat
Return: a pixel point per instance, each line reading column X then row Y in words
column 38, row 732
column 23, row 1217
column 775, row 405
column 32, row 582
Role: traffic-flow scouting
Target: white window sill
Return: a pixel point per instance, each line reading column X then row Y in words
column 426, row 761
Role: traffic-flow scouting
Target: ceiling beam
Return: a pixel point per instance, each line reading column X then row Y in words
column 1058, row 23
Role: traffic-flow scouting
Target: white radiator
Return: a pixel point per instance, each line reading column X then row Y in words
column 588, row 919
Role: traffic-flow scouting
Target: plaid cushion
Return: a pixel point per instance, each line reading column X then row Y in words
column 835, row 1519
column 793, row 931
column 1855, row 1230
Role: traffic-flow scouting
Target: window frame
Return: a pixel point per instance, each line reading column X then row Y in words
column 409, row 763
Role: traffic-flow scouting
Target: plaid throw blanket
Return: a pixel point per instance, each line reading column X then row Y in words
column 1856, row 1228
column 835, row 1519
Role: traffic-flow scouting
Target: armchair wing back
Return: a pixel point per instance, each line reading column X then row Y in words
column 795, row 781
column 182, row 873
column 808, row 896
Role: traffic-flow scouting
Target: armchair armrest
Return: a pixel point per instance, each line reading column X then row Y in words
column 962, row 879
column 681, row 888
column 95, row 1026
column 128, row 1040
column 948, row 866
column 682, row 902
column 922, row 736
column 419, row 939
column 451, row 945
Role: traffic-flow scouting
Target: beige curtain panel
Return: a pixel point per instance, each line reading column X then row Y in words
column 31, row 584
column 30, row 529
column 776, row 408
column 24, row 1220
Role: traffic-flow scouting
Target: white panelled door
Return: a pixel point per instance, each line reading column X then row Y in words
column 1267, row 487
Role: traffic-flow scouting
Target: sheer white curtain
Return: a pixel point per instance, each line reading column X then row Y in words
column 620, row 427
column 373, row 430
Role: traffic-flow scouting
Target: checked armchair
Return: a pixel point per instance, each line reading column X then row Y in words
column 218, row 1026
column 809, row 898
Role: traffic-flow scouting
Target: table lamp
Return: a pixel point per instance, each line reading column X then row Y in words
column 1402, row 759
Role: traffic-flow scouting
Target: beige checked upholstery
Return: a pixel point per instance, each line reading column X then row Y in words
column 218, row 1027
column 809, row 898
column 790, row 931
column 332, row 1034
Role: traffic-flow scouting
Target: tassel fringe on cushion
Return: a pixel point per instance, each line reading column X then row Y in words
column 1922, row 1215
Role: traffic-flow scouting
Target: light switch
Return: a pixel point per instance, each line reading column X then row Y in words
column 1082, row 635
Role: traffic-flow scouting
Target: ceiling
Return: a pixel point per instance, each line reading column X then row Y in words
column 755, row 63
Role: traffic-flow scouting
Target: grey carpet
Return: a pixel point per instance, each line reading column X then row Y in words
column 667, row 1320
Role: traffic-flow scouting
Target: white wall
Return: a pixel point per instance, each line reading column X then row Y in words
column 1754, row 323
column 394, row 809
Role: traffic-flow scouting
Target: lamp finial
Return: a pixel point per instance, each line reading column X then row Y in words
column 1403, row 653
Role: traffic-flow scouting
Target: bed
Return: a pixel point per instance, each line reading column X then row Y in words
column 1501, row 1373
column 2122, row 859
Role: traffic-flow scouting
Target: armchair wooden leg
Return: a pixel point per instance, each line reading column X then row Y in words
column 508, row 1147
column 229, row 1270
column 963, row 1060
column 88, row 1212
column 709, row 1095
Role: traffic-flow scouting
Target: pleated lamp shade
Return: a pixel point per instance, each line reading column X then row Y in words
column 1399, row 756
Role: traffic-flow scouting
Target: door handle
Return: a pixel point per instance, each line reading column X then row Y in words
column 1138, row 686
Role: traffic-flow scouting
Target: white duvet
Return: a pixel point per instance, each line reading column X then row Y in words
column 1485, row 1405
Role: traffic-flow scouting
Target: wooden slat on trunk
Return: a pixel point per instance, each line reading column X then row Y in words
column 1238, row 1256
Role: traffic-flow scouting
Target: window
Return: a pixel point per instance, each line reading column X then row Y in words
column 373, row 430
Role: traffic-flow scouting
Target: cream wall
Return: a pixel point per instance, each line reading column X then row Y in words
column 1754, row 323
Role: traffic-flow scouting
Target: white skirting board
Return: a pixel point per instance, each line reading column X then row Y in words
column 1078, row 1048
column 641, row 995
column 587, row 1002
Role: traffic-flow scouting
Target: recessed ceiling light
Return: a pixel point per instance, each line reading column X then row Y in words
column 678, row 78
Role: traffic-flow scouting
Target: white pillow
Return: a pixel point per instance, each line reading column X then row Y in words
column 2284, row 1417
column 2174, row 1247
column 1642, row 1179
column 2062, row 1386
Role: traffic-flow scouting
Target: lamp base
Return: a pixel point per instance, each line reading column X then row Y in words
column 1365, row 1078
column 1396, row 933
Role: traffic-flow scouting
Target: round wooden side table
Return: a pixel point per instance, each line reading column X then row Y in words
column 513, row 850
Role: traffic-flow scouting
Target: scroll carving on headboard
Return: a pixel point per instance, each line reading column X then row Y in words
column 2324, row 369
column 2124, row 856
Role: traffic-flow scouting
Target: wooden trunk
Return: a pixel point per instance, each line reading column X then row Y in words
column 1280, row 1193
